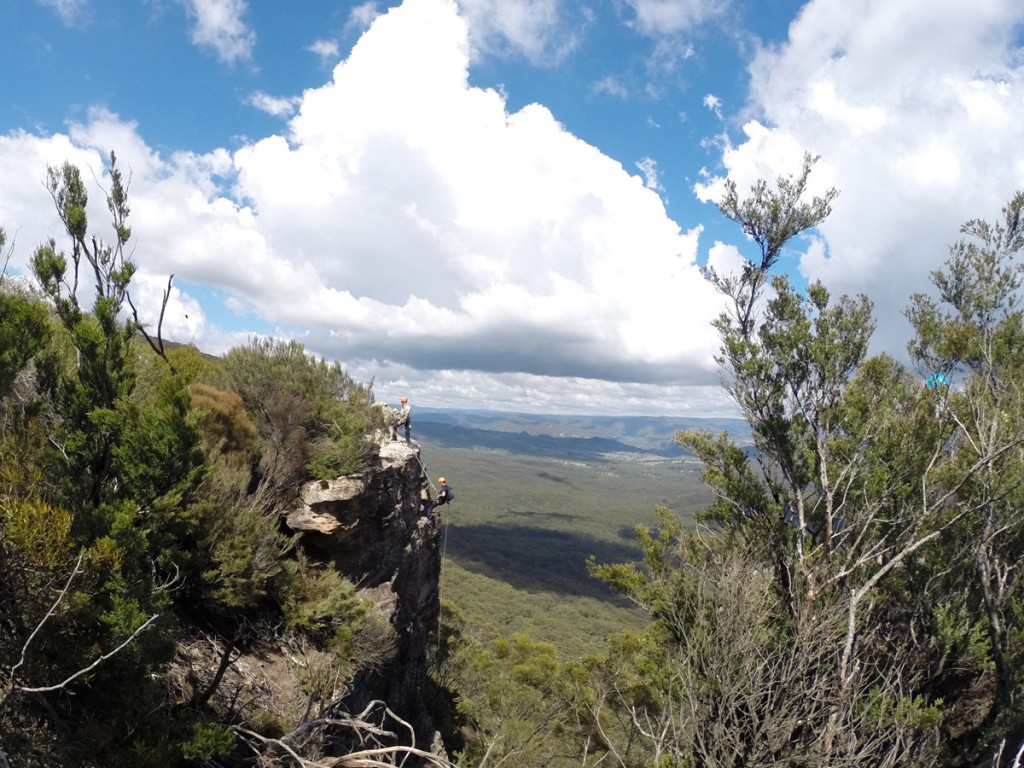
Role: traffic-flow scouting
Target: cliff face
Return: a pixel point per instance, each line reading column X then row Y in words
column 371, row 527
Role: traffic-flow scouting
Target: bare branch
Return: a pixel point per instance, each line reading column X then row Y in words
column 366, row 757
column 277, row 743
column 49, row 613
column 100, row 660
column 158, row 345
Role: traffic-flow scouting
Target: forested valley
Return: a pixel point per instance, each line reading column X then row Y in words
column 848, row 593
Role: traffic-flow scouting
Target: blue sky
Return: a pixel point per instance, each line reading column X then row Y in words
column 503, row 203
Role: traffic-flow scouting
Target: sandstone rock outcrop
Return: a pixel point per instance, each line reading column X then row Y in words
column 372, row 528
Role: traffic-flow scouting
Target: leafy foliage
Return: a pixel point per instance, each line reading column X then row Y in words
column 871, row 504
column 133, row 508
column 24, row 329
column 313, row 417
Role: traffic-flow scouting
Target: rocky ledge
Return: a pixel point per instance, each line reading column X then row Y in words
column 371, row 526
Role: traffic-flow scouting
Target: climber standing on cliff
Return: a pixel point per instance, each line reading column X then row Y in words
column 403, row 420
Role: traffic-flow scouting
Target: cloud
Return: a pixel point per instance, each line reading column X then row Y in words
column 663, row 18
column 544, row 394
column 326, row 50
column 612, row 86
column 183, row 318
column 408, row 221
column 219, row 26
column 273, row 105
column 542, row 31
column 915, row 126
column 27, row 208
column 714, row 104
column 361, row 16
column 671, row 25
column 649, row 168
column 415, row 228
column 69, row 11
column 724, row 258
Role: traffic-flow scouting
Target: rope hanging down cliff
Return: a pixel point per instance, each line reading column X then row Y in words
column 444, row 548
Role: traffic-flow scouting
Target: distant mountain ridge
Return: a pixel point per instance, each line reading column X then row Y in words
column 455, row 436
column 566, row 435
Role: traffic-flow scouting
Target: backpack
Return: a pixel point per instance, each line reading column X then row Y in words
column 451, row 493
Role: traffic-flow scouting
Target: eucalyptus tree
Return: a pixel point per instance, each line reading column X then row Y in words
column 970, row 342
column 808, row 619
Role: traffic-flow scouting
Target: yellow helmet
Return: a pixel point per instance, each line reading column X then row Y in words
column 405, row 399
column 440, row 479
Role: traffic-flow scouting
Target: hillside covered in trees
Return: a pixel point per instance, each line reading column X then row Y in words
column 851, row 597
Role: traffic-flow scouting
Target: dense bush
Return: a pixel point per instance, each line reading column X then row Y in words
column 141, row 505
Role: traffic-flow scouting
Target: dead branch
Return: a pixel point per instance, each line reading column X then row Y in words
column 387, row 756
column 158, row 345
column 49, row 613
column 366, row 758
column 225, row 661
column 100, row 660
column 275, row 743
column 12, row 674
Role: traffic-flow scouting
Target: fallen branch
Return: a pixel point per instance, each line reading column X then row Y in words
column 376, row 757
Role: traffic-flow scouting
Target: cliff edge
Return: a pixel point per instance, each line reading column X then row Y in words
column 371, row 526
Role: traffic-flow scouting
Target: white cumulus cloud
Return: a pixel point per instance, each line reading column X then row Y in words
column 219, row 25
column 408, row 221
column 915, row 110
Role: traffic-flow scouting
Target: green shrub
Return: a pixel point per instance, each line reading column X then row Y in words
column 208, row 742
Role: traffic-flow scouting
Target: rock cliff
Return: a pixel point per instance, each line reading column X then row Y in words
column 371, row 526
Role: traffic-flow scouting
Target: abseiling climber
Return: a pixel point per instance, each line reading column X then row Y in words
column 404, row 420
column 444, row 495
column 444, row 492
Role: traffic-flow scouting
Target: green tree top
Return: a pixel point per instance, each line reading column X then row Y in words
column 771, row 218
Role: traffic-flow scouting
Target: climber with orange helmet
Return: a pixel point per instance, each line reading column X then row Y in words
column 403, row 420
column 444, row 495
column 444, row 492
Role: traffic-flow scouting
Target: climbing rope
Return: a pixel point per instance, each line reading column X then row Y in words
column 440, row 583
column 444, row 550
